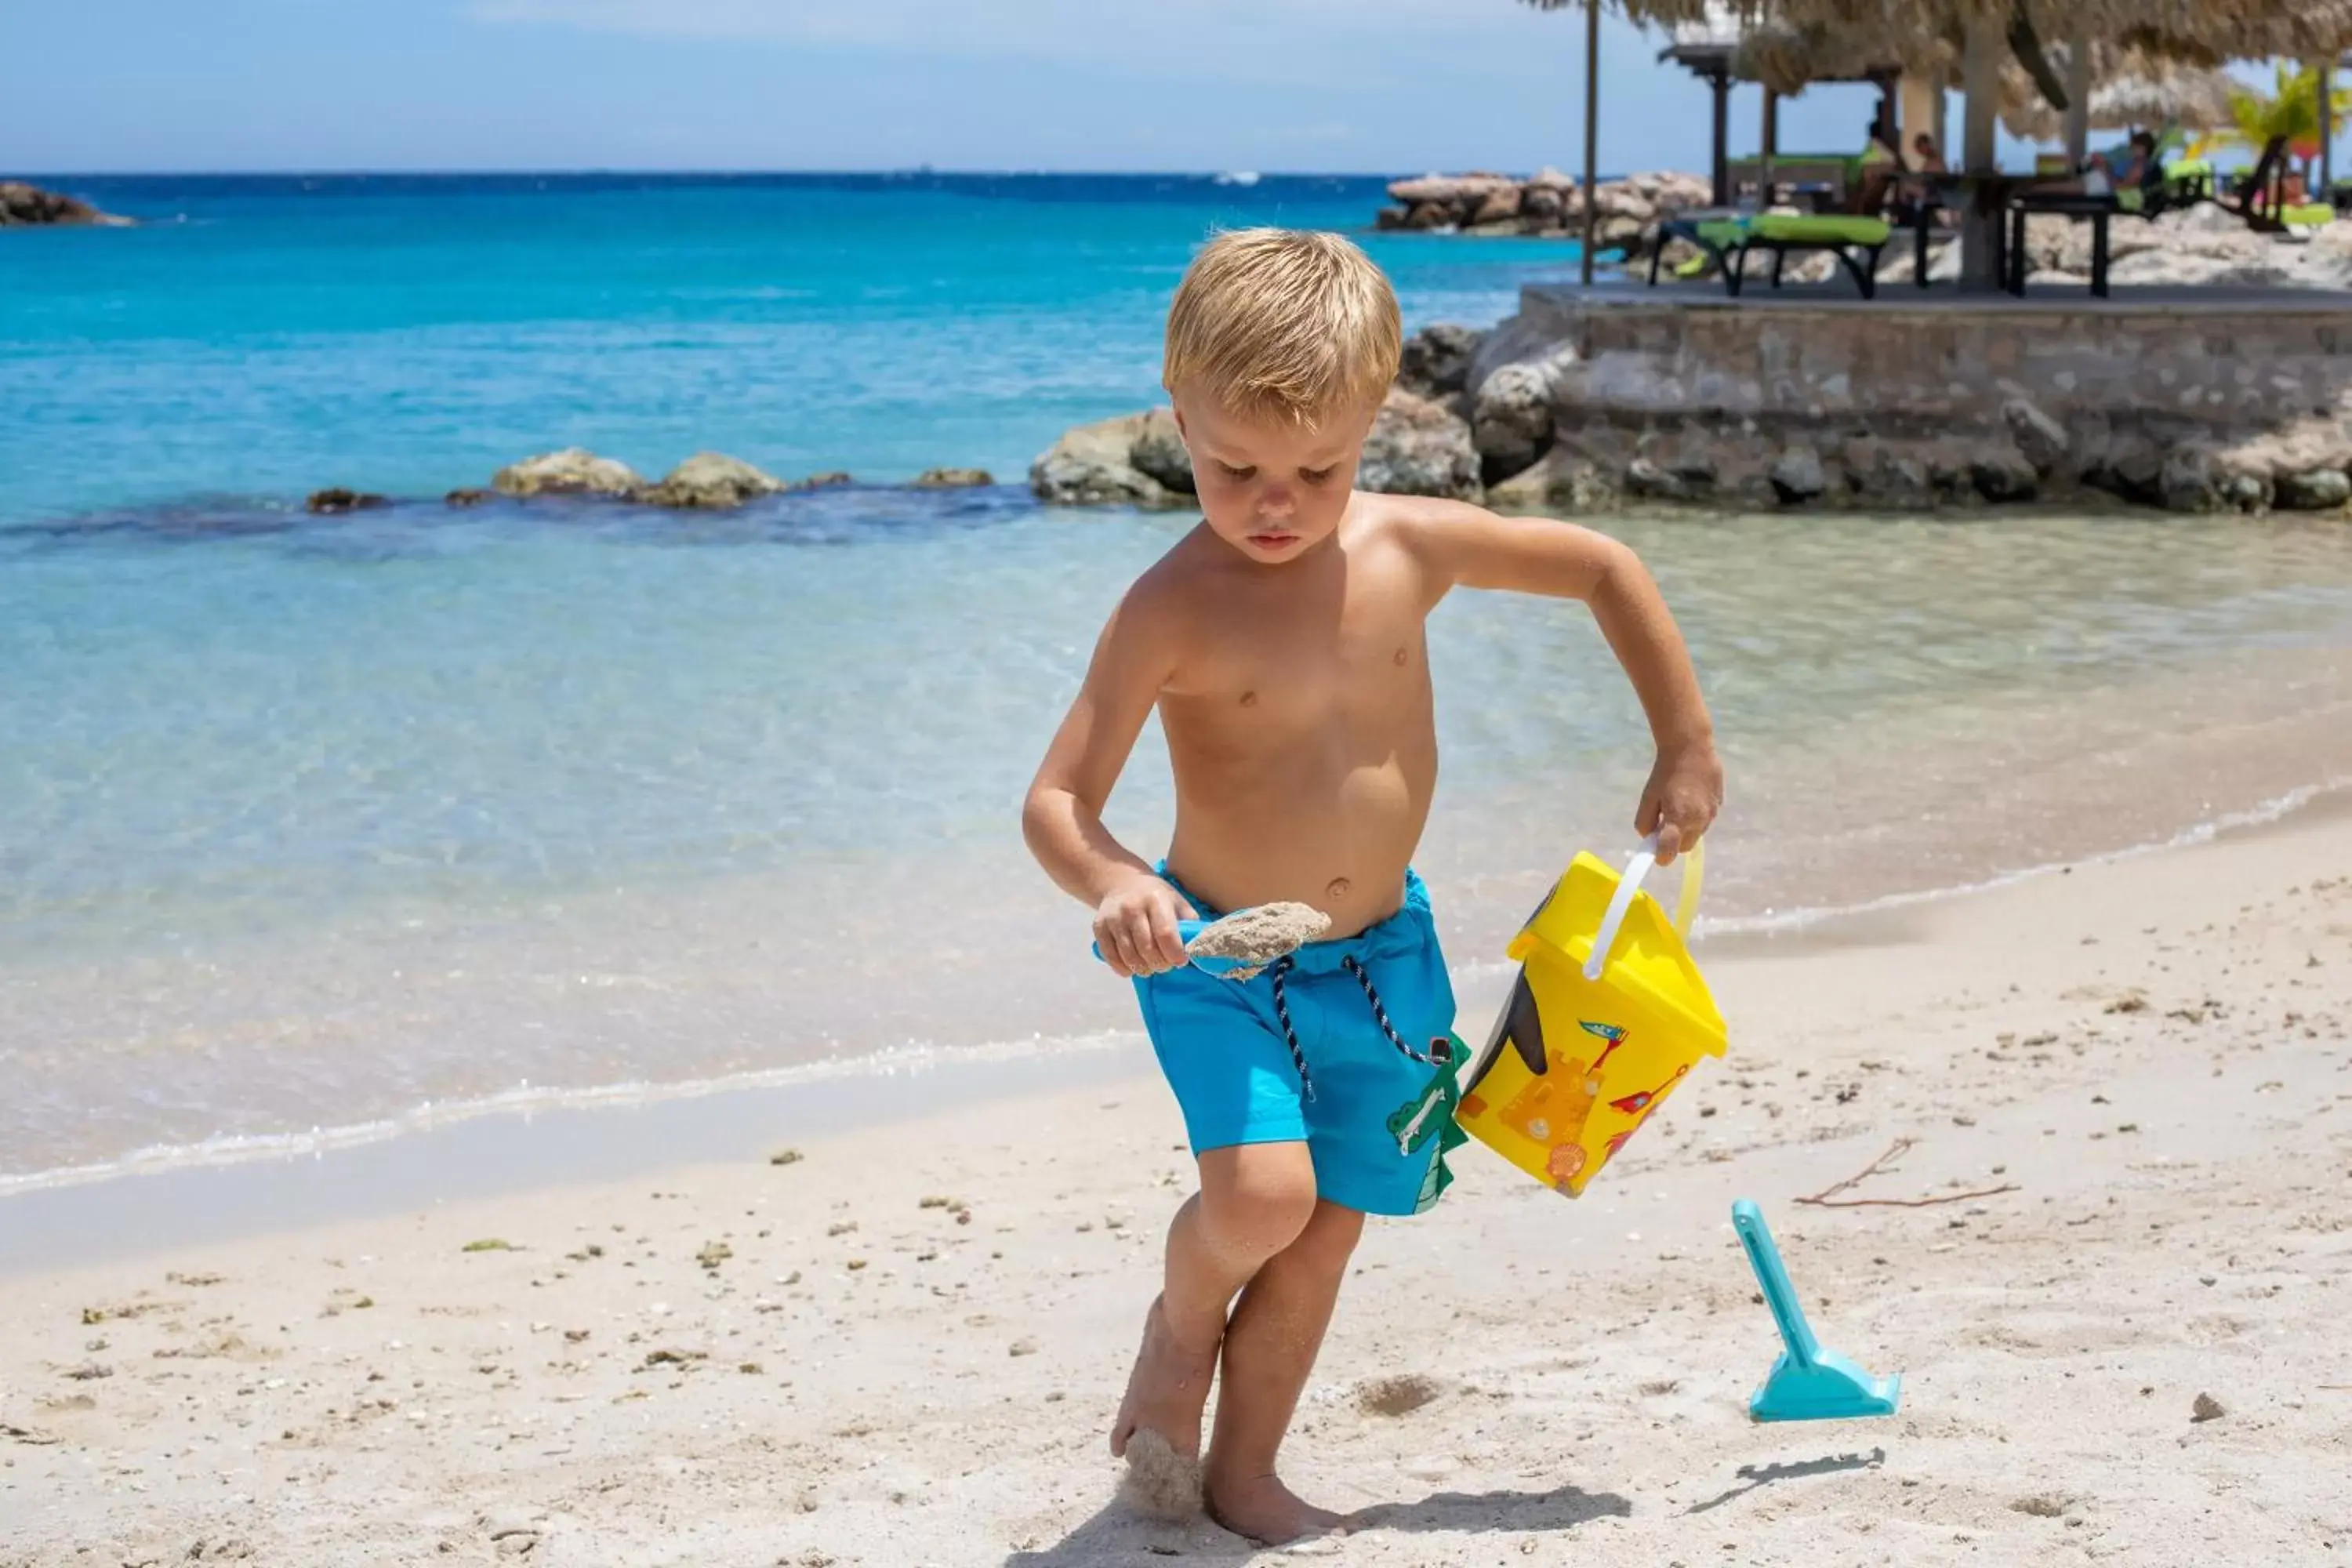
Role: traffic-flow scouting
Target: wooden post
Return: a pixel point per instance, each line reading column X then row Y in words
column 2078, row 98
column 1591, row 132
column 1980, row 230
column 1772, row 149
column 2326, row 192
column 1722, row 163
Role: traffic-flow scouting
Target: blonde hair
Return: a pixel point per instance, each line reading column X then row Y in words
column 1283, row 324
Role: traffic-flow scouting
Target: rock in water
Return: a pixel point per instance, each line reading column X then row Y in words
column 1160, row 451
column 467, row 497
column 23, row 205
column 2320, row 490
column 575, row 470
column 1798, row 477
column 337, row 500
column 713, row 481
column 1436, row 361
column 827, row 481
column 953, row 479
column 1095, row 464
column 1510, row 419
column 2042, row 439
column 1419, row 448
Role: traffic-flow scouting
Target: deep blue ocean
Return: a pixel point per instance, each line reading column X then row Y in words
column 267, row 336
column 347, row 822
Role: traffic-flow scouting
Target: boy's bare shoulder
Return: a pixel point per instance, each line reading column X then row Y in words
column 1160, row 602
column 1420, row 524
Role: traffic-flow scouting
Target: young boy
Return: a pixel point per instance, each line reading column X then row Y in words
column 1283, row 642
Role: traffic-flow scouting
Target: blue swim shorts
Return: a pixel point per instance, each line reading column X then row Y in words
column 1228, row 1055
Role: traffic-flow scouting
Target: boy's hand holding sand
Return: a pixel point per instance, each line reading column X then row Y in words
column 1282, row 644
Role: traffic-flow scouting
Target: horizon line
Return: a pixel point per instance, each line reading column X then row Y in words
column 915, row 170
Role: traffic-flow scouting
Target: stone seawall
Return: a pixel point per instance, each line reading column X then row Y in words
column 2194, row 400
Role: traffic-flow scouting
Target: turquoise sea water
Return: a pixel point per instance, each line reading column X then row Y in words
column 310, row 822
column 272, row 336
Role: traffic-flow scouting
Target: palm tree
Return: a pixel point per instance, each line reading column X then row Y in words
column 2289, row 114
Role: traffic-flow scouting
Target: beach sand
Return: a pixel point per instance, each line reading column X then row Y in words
column 904, row 1347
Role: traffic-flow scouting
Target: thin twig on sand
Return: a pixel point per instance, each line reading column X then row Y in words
column 1827, row 1198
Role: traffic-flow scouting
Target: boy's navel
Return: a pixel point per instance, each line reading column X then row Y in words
column 1249, row 699
column 1399, row 655
column 1338, row 888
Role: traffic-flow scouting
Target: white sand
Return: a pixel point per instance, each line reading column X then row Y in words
column 851, row 1376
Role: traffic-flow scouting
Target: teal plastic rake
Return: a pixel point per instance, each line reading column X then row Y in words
column 1808, row 1383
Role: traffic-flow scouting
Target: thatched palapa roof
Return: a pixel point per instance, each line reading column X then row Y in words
column 2139, row 94
column 1924, row 35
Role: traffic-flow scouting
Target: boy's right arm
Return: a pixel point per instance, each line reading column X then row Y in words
column 1135, row 911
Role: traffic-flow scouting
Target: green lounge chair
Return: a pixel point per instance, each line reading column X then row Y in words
column 1856, row 242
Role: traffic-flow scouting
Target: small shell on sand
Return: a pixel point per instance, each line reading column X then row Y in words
column 1259, row 936
column 1160, row 1483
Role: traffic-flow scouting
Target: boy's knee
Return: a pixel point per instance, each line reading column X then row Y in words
column 1329, row 1237
column 1256, row 1199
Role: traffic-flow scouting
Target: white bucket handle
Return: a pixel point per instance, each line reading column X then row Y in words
column 1643, row 860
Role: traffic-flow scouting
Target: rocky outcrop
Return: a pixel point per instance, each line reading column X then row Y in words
column 952, row 478
column 1511, row 419
column 1159, row 451
column 335, row 501
column 1547, row 204
column 1580, row 404
column 712, row 481
column 1437, row 360
column 574, row 471
column 1095, row 464
column 1797, row 477
column 1418, row 447
column 24, row 206
column 467, row 496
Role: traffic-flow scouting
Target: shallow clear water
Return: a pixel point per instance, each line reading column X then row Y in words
column 309, row 821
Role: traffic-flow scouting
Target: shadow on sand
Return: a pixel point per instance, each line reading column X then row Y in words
column 1756, row 1476
column 1115, row 1537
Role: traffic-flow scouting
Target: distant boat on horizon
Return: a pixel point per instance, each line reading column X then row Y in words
column 1241, row 178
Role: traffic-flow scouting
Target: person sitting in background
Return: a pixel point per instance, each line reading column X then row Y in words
column 1928, row 168
column 2136, row 169
column 1881, row 166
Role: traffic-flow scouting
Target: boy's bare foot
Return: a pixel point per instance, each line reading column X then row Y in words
column 1266, row 1511
column 1167, row 1391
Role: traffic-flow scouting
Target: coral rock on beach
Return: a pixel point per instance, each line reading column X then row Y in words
column 1550, row 203
column 1103, row 464
column 575, row 470
column 953, row 479
column 26, row 207
column 1418, row 447
column 713, row 481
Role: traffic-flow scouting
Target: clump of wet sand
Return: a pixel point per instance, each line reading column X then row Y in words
column 1259, row 936
column 1160, row 1483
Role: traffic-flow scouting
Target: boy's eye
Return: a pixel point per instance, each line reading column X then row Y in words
column 1318, row 475
column 1232, row 472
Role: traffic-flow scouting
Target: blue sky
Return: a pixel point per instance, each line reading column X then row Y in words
column 1373, row 85
column 1336, row 85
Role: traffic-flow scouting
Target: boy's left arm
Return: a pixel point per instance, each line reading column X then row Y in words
column 1472, row 548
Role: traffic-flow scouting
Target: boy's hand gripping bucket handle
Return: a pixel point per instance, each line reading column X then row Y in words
column 1644, row 858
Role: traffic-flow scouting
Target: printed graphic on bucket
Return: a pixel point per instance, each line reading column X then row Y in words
column 1576, row 1065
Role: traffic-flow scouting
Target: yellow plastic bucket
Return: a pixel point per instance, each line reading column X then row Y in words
column 1607, row 1018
